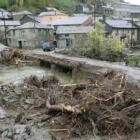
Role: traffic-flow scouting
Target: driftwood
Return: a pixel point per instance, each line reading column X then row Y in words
column 101, row 107
column 61, row 107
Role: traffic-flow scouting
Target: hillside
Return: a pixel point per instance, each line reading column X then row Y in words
column 36, row 5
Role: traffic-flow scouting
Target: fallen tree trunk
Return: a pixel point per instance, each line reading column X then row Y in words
column 64, row 108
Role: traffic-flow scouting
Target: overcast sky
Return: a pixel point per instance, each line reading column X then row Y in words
column 133, row 1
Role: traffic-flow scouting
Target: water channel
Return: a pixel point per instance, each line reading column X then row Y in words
column 15, row 75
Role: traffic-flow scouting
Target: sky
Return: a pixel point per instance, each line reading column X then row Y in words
column 133, row 1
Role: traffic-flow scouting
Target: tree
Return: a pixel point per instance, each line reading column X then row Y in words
column 3, row 3
column 104, row 47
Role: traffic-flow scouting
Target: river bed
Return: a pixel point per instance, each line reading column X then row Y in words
column 15, row 75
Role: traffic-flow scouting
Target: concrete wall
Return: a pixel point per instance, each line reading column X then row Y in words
column 122, row 14
column 30, row 38
column 126, row 32
column 17, row 17
column 71, row 40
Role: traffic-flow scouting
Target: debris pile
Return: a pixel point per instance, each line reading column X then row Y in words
column 98, row 107
column 15, row 57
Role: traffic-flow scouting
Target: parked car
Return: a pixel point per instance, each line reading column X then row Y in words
column 48, row 46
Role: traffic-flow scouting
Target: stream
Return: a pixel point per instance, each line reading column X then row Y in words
column 12, row 74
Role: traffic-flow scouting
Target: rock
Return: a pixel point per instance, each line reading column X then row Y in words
column 28, row 129
column 29, row 101
column 4, row 134
column 25, row 106
column 41, row 124
column 19, row 117
column 17, row 131
column 23, row 136
column 10, row 135
column 3, row 129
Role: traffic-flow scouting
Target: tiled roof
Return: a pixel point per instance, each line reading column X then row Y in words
column 31, row 25
column 9, row 23
column 74, row 29
column 38, row 19
column 51, row 13
column 22, row 13
column 120, row 24
column 5, row 15
column 70, row 21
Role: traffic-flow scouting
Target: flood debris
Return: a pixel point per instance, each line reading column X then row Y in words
column 15, row 57
column 98, row 107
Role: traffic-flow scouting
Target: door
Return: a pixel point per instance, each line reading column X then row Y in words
column 20, row 44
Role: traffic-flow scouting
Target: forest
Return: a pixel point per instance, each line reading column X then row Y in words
column 36, row 5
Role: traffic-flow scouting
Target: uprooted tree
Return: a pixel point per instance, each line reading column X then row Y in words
column 109, row 105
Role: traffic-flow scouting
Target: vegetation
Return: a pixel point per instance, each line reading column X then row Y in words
column 133, row 61
column 36, row 5
column 103, row 47
column 97, row 46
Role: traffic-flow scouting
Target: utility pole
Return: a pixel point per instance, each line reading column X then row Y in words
column 132, row 33
column 94, row 13
column 4, row 28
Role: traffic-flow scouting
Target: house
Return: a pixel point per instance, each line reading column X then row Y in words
column 5, row 15
column 104, row 10
column 138, row 34
column 74, row 21
column 31, row 18
column 125, row 10
column 5, row 26
column 70, row 36
column 135, row 13
column 53, row 16
column 48, row 9
column 82, row 8
column 121, row 30
column 20, row 14
column 122, row 13
column 29, row 35
column 135, row 20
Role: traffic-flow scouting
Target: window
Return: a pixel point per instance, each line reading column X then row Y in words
column 14, row 32
column 22, row 32
column 117, row 32
column 128, row 31
column 39, row 31
column 10, row 40
column 67, row 35
column 133, row 31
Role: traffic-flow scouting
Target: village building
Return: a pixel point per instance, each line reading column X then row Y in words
column 125, row 10
column 138, row 36
column 48, row 9
column 53, row 16
column 5, row 15
column 5, row 26
column 35, row 19
column 70, row 36
column 104, row 10
column 20, row 14
column 29, row 35
column 82, row 8
column 74, row 21
column 122, row 30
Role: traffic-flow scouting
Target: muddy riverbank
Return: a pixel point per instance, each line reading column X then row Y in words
column 49, row 106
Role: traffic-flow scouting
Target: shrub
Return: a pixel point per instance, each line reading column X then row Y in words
column 103, row 47
column 133, row 61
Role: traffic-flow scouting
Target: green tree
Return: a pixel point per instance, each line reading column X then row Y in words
column 3, row 3
column 104, row 47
